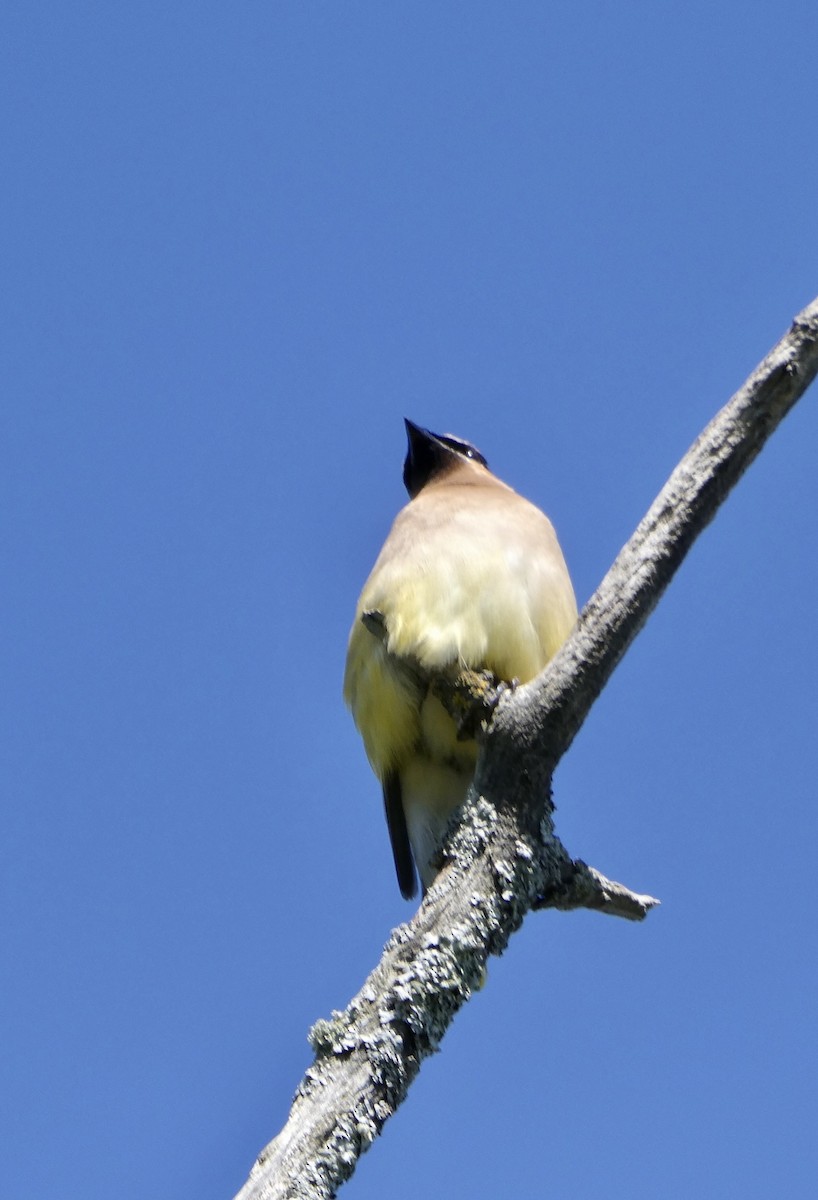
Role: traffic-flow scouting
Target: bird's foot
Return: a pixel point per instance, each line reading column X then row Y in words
column 470, row 698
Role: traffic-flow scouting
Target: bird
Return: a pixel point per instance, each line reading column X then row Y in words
column 471, row 576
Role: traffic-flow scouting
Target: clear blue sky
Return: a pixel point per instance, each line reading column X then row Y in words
column 239, row 243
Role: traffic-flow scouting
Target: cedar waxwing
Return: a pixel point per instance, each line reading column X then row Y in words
column 471, row 575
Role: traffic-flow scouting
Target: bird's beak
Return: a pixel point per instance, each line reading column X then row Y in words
column 417, row 435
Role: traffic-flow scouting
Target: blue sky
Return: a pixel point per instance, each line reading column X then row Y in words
column 239, row 244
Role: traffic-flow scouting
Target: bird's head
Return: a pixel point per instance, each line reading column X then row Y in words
column 430, row 454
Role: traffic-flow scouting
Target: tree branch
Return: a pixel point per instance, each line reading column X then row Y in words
column 503, row 858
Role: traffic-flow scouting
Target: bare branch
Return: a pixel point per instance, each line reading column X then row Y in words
column 563, row 694
column 502, row 858
column 587, row 888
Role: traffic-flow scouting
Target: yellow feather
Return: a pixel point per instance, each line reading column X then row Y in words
column 471, row 574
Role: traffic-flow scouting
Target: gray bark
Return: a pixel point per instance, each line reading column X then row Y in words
column 503, row 858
